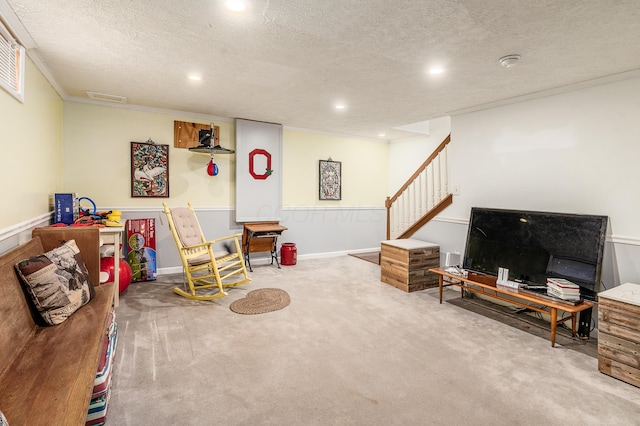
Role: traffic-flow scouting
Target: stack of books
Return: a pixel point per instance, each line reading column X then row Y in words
column 563, row 289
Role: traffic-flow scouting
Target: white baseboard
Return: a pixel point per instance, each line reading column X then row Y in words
column 265, row 260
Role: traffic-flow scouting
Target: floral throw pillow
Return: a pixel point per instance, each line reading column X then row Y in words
column 57, row 281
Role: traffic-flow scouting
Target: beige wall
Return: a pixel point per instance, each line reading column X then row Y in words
column 31, row 145
column 365, row 169
column 97, row 164
column 97, row 157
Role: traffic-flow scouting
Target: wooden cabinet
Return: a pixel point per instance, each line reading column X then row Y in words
column 619, row 333
column 405, row 264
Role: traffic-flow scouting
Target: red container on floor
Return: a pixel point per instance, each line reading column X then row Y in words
column 288, row 254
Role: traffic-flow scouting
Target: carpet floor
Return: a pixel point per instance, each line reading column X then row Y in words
column 347, row 350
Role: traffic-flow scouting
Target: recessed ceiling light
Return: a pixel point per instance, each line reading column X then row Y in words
column 236, row 5
column 509, row 60
column 340, row 106
column 382, row 135
column 194, row 77
column 436, row 70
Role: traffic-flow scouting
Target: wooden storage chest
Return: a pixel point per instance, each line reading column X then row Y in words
column 405, row 264
column 619, row 333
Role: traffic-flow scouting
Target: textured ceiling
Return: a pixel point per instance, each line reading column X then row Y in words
column 290, row 61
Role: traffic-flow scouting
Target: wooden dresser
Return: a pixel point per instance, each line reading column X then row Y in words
column 619, row 333
column 405, row 264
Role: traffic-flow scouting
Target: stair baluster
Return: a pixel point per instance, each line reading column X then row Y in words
column 422, row 197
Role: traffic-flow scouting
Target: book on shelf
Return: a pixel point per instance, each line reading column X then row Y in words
column 571, row 296
column 562, row 283
column 560, row 290
column 564, row 289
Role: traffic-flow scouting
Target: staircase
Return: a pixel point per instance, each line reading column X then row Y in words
column 422, row 197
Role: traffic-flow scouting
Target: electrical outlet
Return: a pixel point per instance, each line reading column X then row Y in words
column 456, row 190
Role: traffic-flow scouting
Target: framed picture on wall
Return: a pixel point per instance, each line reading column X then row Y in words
column 149, row 169
column 330, row 180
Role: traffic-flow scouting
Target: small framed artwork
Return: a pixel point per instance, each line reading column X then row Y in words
column 330, row 180
column 149, row 169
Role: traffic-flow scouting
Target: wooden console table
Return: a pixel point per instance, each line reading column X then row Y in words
column 261, row 237
column 486, row 285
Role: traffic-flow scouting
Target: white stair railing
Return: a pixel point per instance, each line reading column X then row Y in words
column 427, row 189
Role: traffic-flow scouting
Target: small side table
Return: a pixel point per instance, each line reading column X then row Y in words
column 405, row 264
column 269, row 231
column 619, row 333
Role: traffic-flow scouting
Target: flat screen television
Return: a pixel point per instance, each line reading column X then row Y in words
column 537, row 245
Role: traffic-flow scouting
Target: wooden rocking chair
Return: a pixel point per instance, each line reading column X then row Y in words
column 202, row 265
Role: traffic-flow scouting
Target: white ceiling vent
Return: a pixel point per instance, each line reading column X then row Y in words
column 107, row 98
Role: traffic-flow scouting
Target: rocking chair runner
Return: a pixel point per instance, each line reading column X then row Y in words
column 201, row 264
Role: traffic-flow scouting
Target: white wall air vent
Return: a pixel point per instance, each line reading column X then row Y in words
column 107, row 98
column 11, row 64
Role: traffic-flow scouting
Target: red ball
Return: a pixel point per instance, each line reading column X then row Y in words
column 125, row 274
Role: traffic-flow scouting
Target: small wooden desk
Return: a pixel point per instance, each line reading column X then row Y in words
column 268, row 233
column 486, row 285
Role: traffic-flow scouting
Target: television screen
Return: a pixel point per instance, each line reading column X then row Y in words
column 537, row 245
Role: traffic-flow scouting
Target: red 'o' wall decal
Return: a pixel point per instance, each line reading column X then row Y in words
column 267, row 172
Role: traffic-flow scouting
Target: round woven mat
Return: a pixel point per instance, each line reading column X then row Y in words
column 261, row 301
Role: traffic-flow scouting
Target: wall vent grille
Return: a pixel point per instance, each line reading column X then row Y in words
column 107, row 98
column 11, row 64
